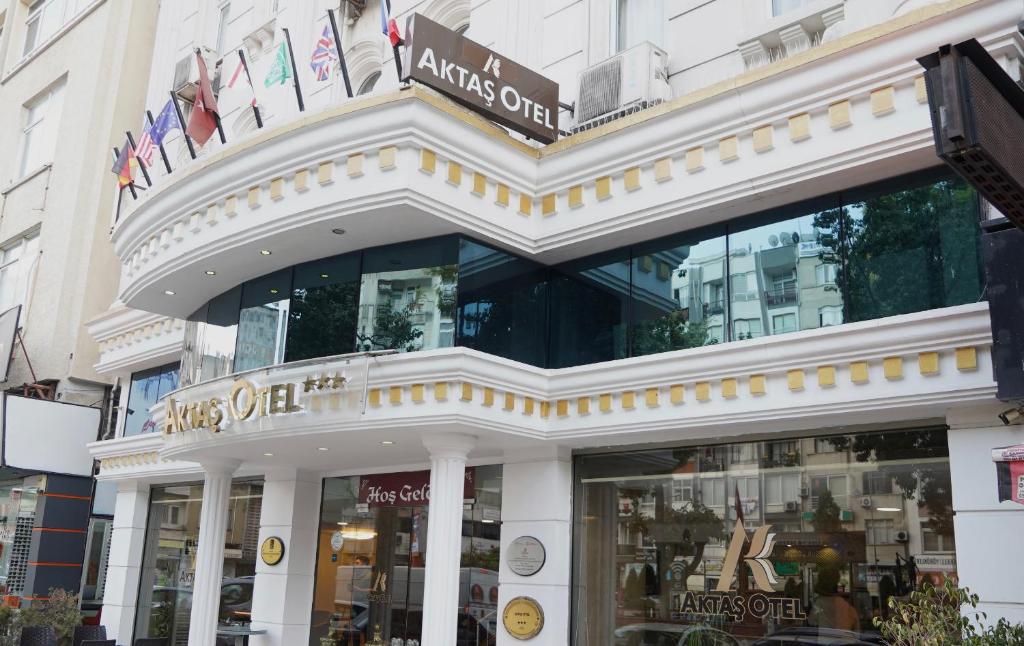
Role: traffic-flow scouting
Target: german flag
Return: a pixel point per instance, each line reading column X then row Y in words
column 125, row 165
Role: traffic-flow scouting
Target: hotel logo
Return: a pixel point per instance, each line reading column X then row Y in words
column 761, row 546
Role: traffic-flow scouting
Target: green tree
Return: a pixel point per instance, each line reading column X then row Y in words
column 60, row 612
column 392, row 330
column 322, row 321
column 826, row 514
column 671, row 331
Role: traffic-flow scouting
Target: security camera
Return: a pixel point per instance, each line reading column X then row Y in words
column 1012, row 416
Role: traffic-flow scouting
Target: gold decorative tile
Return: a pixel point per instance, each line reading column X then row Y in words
column 663, row 169
column 575, row 196
column 694, row 159
column 387, row 157
column 525, row 204
column 416, row 391
column 826, row 376
column 757, row 385
column 488, row 397
column 839, row 115
column 729, row 149
column 603, row 187
column 528, row 404
column 676, row 393
column 604, row 402
column 454, row 173
column 354, row 165
column 301, row 181
column 628, row 400
column 583, row 405
column 562, row 408
column 920, row 90
column 928, row 363
column 702, row 390
column 502, row 196
column 510, row 402
column 479, row 184
column 651, row 398
column 428, row 161
column 883, row 101
column 441, row 391
column 763, row 139
column 231, row 206
column 547, row 205
column 795, row 379
column 859, row 372
column 374, row 397
column 892, row 367
column 631, row 179
column 800, row 127
column 395, row 395
column 545, row 409
column 467, row 392
column 966, row 359
column 277, row 188
column 729, row 387
column 325, row 173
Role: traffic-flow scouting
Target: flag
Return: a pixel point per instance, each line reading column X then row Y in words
column 280, row 71
column 388, row 26
column 203, row 120
column 125, row 165
column 239, row 71
column 323, row 54
column 153, row 135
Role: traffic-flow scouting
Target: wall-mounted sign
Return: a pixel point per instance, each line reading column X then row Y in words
column 523, row 618
column 272, row 550
column 526, row 556
column 481, row 79
column 1010, row 472
column 337, row 541
column 246, row 400
column 406, row 489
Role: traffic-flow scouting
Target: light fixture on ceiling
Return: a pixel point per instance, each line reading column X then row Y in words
column 358, row 534
column 386, row 442
column 338, row 232
column 265, row 252
column 342, row 523
column 210, row 272
column 889, row 509
column 169, row 292
column 273, row 290
column 322, row 448
column 324, row 276
column 269, row 455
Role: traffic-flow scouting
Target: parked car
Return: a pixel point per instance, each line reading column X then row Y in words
column 655, row 634
column 814, row 636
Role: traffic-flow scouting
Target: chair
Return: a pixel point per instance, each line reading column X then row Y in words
column 38, row 636
column 89, row 633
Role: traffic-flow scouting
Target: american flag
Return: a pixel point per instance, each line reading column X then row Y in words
column 324, row 52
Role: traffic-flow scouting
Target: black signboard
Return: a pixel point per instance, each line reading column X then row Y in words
column 481, row 79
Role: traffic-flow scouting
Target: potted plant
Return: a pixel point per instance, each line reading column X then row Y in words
column 60, row 612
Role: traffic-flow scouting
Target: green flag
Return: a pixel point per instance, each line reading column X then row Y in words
column 281, row 70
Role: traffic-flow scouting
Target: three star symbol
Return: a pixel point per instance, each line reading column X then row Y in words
column 324, row 382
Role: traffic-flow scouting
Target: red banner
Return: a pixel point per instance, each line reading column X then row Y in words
column 406, row 489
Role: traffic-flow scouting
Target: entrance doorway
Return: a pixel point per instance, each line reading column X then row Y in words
column 371, row 562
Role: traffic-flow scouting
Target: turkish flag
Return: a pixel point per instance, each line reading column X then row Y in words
column 203, row 120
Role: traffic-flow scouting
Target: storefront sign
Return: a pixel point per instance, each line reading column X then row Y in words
column 408, row 489
column 523, row 618
column 761, row 546
column 526, row 556
column 245, row 400
column 272, row 550
column 481, row 79
column 935, row 562
column 735, row 607
column 1010, row 473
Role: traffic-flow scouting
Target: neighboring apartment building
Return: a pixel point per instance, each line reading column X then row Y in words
column 454, row 380
column 71, row 71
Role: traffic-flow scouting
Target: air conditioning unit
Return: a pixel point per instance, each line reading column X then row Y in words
column 632, row 80
column 865, row 502
column 805, row 491
column 186, row 74
column 902, row 537
column 792, row 505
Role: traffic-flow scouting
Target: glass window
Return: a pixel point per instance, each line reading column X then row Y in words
column 407, row 296
column 637, row 21
column 39, row 132
column 17, row 262
column 911, row 250
column 168, row 564
column 589, row 306
column 777, row 268
column 501, row 304
column 678, row 293
column 147, row 387
column 372, row 554
column 941, row 540
column 263, row 321
column 17, row 519
column 223, row 15
column 652, row 567
column 210, row 336
column 94, row 570
column 368, row 84
column 780, row 7
column 323, row 310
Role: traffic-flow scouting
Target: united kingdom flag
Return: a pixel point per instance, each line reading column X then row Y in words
column 324, row 53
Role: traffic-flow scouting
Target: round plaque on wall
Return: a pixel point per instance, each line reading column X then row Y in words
column 272, row 550
column 526, row 556
column 523, row 618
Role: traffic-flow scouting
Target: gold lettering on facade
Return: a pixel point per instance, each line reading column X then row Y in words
column 241, row 411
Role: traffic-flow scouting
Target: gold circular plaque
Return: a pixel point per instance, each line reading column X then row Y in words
column 272, row 550
column 523, row 618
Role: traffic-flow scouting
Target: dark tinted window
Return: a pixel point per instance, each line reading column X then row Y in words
column 147, row 387
column 325, row 303
column 263, row 321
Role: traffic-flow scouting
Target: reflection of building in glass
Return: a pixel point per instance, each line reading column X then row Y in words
column 407, row 310
column 261, row 332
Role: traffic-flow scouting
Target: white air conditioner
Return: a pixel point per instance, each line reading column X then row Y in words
column 865, row 502
column 902, row 537
column 792, row 506
column 632, row 80
column 805, row 491
column 186, row 74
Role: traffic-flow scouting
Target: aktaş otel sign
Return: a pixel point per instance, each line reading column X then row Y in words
column 481, row 79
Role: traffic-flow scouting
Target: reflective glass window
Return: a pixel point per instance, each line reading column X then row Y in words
column 210, row 339
column 325, row 303
column 502, row 304
column 589, row 310
column 407, row 296
column 263, row 321
column 661, row 538
column 147, row 387
column 912, row 249
column 782, row 272
column 169, row 559
column 678, row 293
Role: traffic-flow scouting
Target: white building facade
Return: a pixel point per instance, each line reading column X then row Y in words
column 381, row 346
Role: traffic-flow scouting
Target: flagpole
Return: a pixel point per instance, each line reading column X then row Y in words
column 163, row 153
column 181, row 124
column 131, row 185
column 248, row 77
column 142, row 166
column 216, row 115
column 341, row 54
column 295, row 70
column 394, row 48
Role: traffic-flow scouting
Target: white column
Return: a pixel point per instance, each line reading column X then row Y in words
column 448, row 453
column 127, row 541
column 213, row 527
column 536, row 500
column 987, row 531
column 283, row 594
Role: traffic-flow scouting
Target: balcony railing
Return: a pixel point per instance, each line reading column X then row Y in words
column 781, row 295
